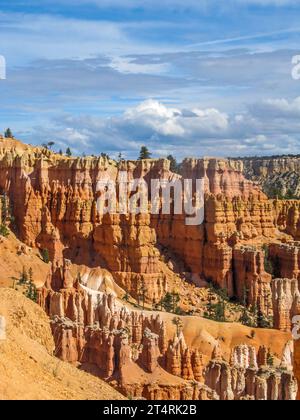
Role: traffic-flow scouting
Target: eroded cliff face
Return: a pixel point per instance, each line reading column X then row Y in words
column 277, row 176
column 141, row 355
column 54, row 203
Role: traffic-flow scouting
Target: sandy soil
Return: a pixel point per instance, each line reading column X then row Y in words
column 27, row 368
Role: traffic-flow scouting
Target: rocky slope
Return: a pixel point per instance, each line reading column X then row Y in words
column 15, row 256
column 277, row 176
column 145, row 355
column 28, row 369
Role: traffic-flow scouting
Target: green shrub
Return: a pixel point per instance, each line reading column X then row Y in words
column 4, row 231
column 45, row 256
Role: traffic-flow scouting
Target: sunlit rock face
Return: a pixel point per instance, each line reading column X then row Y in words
column 96, row 259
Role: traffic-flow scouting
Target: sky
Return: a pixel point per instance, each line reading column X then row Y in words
column 188, row 78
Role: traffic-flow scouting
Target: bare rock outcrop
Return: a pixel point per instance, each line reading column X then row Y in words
column 245, row 378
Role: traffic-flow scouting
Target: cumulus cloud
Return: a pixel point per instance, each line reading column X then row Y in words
column 278, row 108
column 183, row 132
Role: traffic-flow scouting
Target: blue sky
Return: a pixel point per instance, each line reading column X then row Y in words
column 191, row 78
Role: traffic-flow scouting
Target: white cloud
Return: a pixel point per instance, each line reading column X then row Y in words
column 26, row 37
column 184, row 132
column 281, row 107
column 128, row 65
column 167, row 121
column 163, row 128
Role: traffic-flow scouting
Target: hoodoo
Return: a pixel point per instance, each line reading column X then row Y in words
column 158, row 308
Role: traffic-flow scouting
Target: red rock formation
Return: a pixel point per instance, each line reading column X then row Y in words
column 150, row 353
column 60, row 215
column 241, row 379
column 286, row 259
column 251, row 280
column 53, row 199
column 286, row 302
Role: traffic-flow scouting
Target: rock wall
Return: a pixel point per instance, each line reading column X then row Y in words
column 131, row 348
column 53, row 199
column 248, row 376
column 54, row 204
column 252, row 283
column 286, row 302
column 275, row 175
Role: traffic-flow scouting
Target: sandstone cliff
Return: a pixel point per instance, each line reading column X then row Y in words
column 277, row 176
column 28, row 369
column 53, row 203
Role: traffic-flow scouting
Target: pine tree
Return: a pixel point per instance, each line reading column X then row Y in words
column 126, row 297
column 45, row 255
column 175, row 301
column 23, row 280
column 174, row 167
column 31, row 290
column 68, row 152
column 144, row 153
column 8, row 134
column 30, row 275
column 270, row 359
column 216, row 311
column 219, row 311
column 167, row 302
column 262, row 320
column 178, row 323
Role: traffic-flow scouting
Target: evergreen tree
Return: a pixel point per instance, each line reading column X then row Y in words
column 126, row 297
column 178, row 323
column 174, row 167
column 270, row 359
column 144, row 153
column 262, row 320
column 4, row 209
column 167, row 302
column 31, row 290
column 8, row 134
column 219, row 311
column 24, row 278
column 105, row 156
column 245, row 318
column 68, row 152
column 175, row 301
column 45, row 256
column 4, row 231
column 216, row 311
